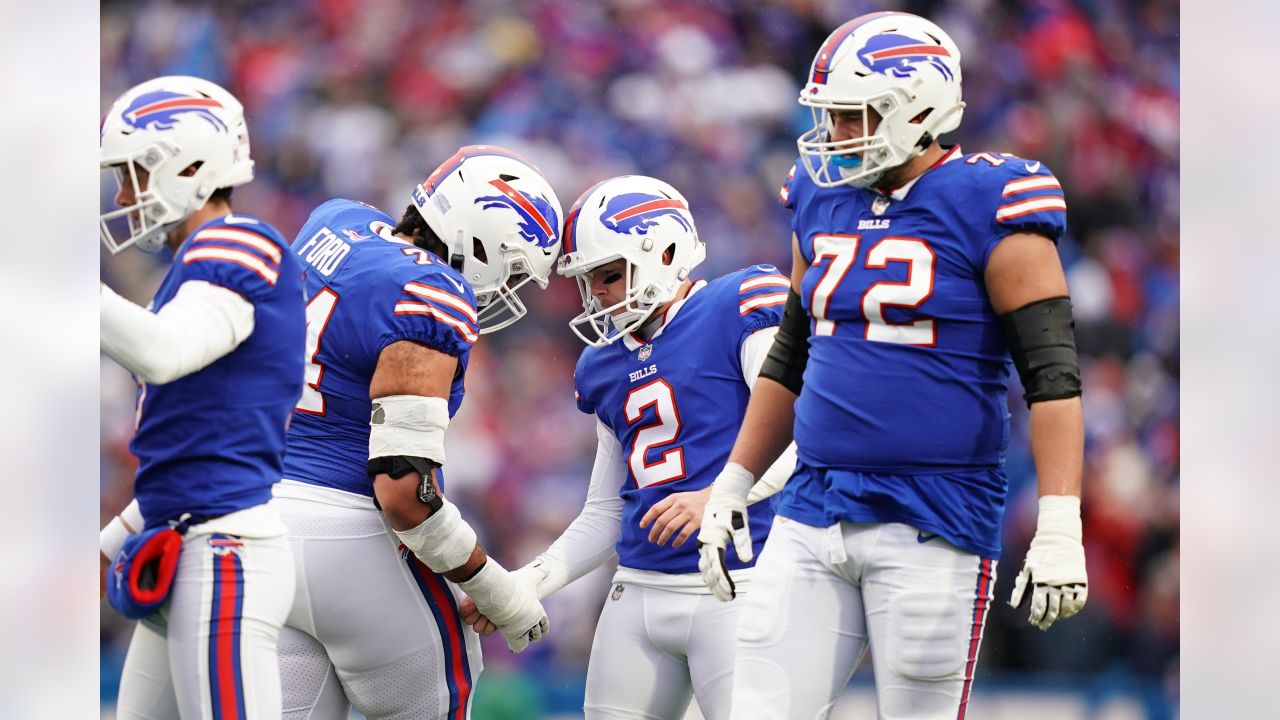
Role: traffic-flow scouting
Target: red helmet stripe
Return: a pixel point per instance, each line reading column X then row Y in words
column 524, row 203
column 448, row 166
column 645, row 207
column 910, row 50
column 822, row 62
column 175, row 103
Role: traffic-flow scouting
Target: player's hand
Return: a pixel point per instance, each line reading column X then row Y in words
column 529, row 575
column 102, row 574
column 725, row 518
column 1055, row 564
column 509, row 604
column 680, row 512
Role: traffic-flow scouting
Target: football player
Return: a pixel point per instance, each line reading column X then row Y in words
column 918, row 271
column 670, row 367
column 200, row 556
column 393, row 310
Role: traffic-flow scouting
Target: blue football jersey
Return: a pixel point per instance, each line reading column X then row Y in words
column 675, row 404
column 212, row 442
column 365, row 289
column 903, row 416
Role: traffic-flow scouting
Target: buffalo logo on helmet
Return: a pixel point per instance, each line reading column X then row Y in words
column 161, row 110
column 637, row 213
column 899, row 55
column 538, row 219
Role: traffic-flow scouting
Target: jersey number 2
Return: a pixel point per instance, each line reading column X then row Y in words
column 841, row 251
column 663, row 431
column 319, row 310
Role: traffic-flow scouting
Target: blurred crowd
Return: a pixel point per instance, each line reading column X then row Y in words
column 363, row 98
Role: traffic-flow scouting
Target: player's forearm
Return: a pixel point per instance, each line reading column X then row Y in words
column 468, row 570
column 1057, row 445
column 585, row 545
column 202, row 323
column 767, row 427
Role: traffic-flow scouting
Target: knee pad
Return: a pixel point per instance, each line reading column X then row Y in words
column 930, row 632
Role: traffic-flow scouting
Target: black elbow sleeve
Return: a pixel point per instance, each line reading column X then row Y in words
column 1041, row 338
column 787, row 358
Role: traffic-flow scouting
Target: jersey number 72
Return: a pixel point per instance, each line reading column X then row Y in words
column 841, row 251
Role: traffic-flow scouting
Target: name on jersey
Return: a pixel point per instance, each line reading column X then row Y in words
column 643, row 373
column 324, row 251
column 874, row 224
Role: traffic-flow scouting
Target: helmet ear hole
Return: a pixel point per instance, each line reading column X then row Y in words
column 922, row 116
column 477, row 250
column 669, row 254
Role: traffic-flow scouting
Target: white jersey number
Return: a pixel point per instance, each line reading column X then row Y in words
column 842, row 251
column 319, row 310
column 663, row 431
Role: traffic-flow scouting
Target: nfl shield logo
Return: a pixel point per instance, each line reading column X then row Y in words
column 645, row 352
column 880, row 204
column 617, row 592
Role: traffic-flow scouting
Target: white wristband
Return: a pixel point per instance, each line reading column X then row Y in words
column 734, row 481
column 132, row 516
column 443, row 541
column 112, row 537
column 1060, row 515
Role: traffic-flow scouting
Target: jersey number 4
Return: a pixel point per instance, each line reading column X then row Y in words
column 662, row 431
column 840, row 252
column 319, row 310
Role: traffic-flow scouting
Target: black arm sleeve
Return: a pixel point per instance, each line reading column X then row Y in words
column 789, row 355
column 1042, row 341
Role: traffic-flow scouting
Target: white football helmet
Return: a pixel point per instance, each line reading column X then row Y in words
column 898, row 64
column 638, row 219
column 500, row 220
column 165, row 126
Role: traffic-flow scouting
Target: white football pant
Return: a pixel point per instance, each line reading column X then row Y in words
column 209, row 653
column 371, row 626
column 654, row 649
column 821, row 596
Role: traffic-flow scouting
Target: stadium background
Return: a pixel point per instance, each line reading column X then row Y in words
column 362, row 99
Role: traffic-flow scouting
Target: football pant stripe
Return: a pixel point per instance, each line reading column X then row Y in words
column 981, row 601
column 444, row 609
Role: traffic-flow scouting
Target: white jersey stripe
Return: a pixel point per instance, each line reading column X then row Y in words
column 253, row 240
column 764, row 281
column 761, row 301
column 1026, row 207
column 1040, row 182
column 430, row 293
column 239, row 257
column 413, row 308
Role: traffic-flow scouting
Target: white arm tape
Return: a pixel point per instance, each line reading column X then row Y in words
column 409, row 425
column 1060, row 515
column 443, row 541
column 772, row 480
column 202, row 323
column 589, row 540
column 112, row 537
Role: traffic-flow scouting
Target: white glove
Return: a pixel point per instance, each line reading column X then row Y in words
column 1054, row 564
column 510, row 601
column 725, row 517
